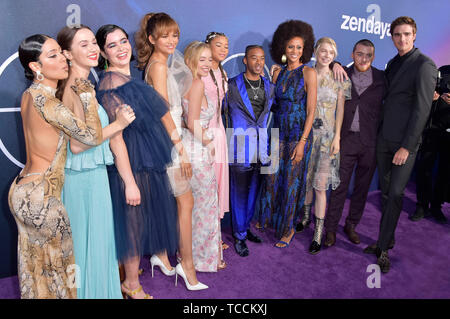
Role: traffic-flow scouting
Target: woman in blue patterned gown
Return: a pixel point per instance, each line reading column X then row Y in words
column 283, row 193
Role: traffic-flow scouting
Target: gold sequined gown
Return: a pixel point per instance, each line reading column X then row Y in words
column 46, row 264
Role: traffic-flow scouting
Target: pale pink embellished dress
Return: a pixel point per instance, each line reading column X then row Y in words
column 220, row 138
column 206, row 237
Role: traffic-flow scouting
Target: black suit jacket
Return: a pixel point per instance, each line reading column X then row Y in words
column 408, row 101
column 370, row 102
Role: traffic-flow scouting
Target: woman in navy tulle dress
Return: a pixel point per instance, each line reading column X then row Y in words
column 145, row 212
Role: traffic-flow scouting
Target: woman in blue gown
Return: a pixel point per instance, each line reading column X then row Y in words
column 145, row 211
column 283, row 193
column 86, row 194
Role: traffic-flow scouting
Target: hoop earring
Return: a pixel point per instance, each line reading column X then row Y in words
column 39, row 76
column 283, row 59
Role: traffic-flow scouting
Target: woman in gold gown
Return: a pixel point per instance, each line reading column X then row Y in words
column 46, row 265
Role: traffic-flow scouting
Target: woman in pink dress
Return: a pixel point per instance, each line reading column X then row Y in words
column 216, row 85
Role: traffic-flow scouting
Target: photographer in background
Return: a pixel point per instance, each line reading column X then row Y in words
column 435, row 145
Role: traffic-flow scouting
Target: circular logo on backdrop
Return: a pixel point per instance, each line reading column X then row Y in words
column 3, row 148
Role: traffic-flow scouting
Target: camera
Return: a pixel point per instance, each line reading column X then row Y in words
column 443, row 80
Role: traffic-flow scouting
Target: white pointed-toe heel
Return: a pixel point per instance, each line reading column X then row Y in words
column 155, row 261
column 179, row 271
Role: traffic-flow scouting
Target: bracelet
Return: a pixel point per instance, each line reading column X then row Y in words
column 304, row 139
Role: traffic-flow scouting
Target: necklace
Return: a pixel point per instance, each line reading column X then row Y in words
column 255, row 90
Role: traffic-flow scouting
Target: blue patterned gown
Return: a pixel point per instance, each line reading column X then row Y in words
column 283, row 193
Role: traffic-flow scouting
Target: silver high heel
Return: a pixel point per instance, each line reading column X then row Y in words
column 155, row 261
column 179, row 271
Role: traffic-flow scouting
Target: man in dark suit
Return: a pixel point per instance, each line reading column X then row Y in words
column 431, row 192
column 358, row 141
column 247, row 103
column 411, row 78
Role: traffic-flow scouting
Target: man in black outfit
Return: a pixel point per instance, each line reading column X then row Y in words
column 435, row 145
column 411, row 78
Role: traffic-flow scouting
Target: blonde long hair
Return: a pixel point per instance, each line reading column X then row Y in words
column 192, row 55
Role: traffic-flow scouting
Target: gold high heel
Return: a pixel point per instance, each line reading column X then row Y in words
column 131, row 293
column 222, row 265
column 224, row 246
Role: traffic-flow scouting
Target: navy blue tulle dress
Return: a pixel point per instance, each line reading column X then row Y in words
column 150, row 227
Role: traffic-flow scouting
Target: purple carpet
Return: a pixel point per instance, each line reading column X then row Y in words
column 420, row 264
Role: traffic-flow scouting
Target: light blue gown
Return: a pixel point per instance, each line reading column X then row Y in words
column 87, row 199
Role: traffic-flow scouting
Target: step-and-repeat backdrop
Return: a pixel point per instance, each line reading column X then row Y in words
column 243, row 21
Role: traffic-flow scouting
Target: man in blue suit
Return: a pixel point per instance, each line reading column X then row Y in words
column 247, row 105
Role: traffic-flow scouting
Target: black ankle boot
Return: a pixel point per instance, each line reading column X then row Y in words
column 314, row 248
column 306, row 220
column 316, row 244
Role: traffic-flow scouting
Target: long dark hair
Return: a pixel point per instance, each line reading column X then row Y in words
column 65, row 38
column 101, row 35
column 29, row 51
column 209, row 37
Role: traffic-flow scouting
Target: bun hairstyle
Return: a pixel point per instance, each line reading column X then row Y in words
column 154, row 24
column 209, row 37
column 65, row 38
column 285, row 32
column 192, row 55
column 101, row 35
column 29, row 51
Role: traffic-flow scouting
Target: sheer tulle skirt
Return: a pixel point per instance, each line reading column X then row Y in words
column 150, row 227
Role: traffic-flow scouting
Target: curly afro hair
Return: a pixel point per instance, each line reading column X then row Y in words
column 288, row 30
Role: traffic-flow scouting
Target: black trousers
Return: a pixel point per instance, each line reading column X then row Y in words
column 436, row 145
column 393, row 180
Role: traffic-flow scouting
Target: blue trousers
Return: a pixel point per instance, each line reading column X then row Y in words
column 244, row 188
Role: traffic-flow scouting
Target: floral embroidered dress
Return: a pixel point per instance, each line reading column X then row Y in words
column 205, row 214
column 323, row 169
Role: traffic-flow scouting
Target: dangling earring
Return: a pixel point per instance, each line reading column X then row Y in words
column 283, row 59
column 39, row 76
column 70, row 63
column 106, row 64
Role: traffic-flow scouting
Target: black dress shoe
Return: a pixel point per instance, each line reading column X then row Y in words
column 373, row 249
column 314, row 248
column 439, row 216
column 384, row 262
column 253, row 238
column 241, row 248
column 419, row 214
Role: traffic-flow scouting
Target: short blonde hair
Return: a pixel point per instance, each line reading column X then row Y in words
column 192, row 55
column 328, row 40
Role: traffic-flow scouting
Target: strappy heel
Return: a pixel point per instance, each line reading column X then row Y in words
column 286, row 244
column 131, row 293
